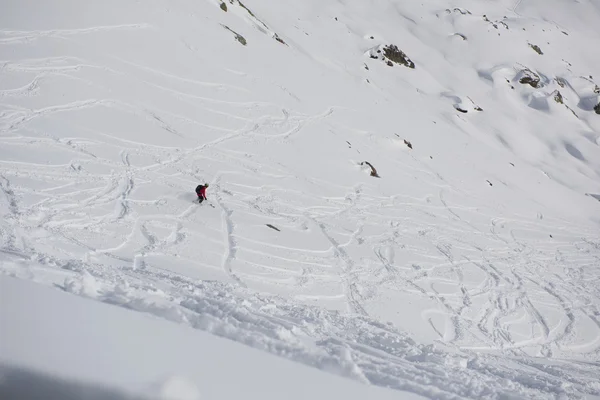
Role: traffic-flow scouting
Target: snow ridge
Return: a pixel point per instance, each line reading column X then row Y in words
column 353, row 346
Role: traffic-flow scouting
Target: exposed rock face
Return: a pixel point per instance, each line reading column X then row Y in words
column 536, row 48
column 237, row 36
column 558, row 97
column 391, row 55
column 373, row 170
column 530, row 78
column 394, row 54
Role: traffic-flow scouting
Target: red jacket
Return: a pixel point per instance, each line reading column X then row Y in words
column 201, row 192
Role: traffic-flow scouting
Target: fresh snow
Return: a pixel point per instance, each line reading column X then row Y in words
column 468, row 269
column 193, row 364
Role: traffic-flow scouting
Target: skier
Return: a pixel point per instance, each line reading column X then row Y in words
column 201, row 192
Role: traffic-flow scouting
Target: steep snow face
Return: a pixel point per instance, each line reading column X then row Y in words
column 474, row 250
column 142, row 357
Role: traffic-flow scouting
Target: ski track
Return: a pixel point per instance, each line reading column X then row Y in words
column 384, row 355
column 501, row 299
column 12, row 37
column 229, row 238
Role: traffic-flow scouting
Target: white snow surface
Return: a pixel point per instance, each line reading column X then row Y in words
column 469, row 269
column 193, row 364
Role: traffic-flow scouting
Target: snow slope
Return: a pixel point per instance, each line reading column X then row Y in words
column 469, row 269
column 193, row 364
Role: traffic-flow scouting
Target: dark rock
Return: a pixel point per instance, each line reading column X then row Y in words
column 237, row 36
column 272, row 227
column 223, row 6
column 463, row 11
column 460, row 109
column 373, row 170
column 536, row 48
column 254, row 16
column 241, row 39
column 409, row 144
column 393, row 53
column 558, row 97
column 244, row 7
column 530, row 78
column 595, row 196
column 597, row 108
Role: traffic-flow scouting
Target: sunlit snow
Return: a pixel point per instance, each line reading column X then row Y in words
column 469, row 267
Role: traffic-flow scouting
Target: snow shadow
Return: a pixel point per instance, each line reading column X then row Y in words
column 23, row 384
column 574, row 151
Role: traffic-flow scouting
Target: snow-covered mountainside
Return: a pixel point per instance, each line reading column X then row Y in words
column 404, row 194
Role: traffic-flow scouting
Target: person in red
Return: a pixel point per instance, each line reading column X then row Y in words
column 201, row 192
